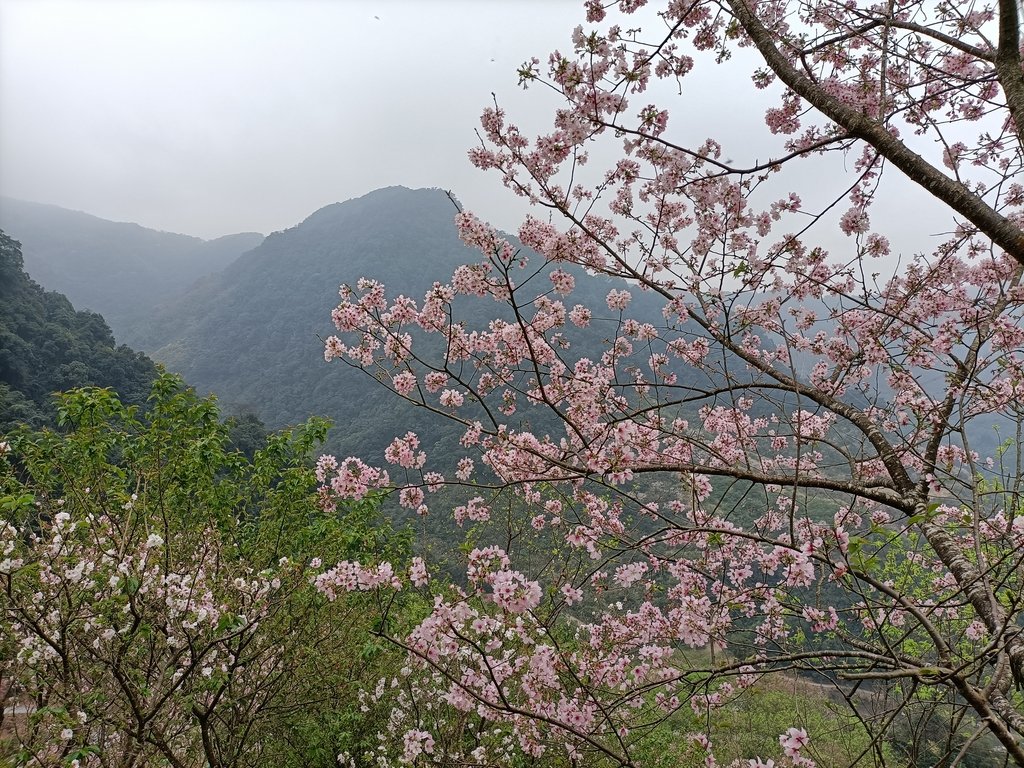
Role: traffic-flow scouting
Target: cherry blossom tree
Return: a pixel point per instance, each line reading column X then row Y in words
column 806, row 464
column 157, row 599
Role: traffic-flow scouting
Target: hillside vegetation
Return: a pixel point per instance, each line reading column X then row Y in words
column 253, row 334
column 47, row 346
column 117, row 269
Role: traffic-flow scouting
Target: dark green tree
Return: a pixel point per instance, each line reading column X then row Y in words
column 47, row 346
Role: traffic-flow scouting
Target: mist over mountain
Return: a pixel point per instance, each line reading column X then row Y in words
column 252, row 332
column 119, row 270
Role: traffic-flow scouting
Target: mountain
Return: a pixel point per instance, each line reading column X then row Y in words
column 46, row 346
column 119, row 270
column 252, row 334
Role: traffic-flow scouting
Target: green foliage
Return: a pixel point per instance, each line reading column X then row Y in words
column 268, row 672
column 755, row 719
column 749, row 725
column 247, row 433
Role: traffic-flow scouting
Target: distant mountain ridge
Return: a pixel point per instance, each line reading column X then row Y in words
column 252, row 332
column 119, row 270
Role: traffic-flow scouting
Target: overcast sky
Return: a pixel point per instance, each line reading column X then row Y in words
column 215, row 116
column 209, row 117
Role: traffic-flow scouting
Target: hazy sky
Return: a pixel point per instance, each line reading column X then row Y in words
column 216, row 116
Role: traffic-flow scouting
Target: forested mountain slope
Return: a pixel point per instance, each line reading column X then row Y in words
column 253, row 334
column 119, row 270
column 46, row 346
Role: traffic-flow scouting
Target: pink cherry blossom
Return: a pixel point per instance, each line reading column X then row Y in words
column 774, row 432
